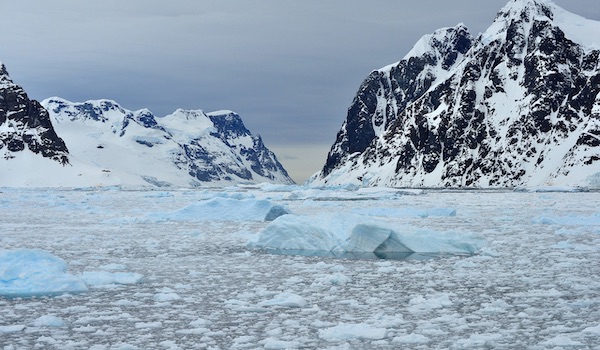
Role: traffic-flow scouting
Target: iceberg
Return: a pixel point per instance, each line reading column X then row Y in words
column 32, row 272
column 351, row 235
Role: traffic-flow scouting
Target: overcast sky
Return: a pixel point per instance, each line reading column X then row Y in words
column 290, row 68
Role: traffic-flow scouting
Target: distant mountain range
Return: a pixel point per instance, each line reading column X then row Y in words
column 99, row 143
column 518, row 105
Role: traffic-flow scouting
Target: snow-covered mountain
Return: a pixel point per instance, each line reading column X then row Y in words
column 186, row 148
column 25, row 124
column 519, row 105
column 110, row 145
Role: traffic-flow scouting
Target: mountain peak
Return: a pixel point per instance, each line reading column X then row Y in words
column 4, row 76
column 3, row 69
column 443, row 40
column 520, row 108
column 524, row 11
column 26, row 125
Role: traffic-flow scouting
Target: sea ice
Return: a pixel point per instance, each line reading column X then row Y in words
column 345, row 331
column 285, row 299
column 411, row 339
column 571, row 220
column 102, row 278
column 49, row 321
column 225, row 209
column 347, row 233
column 530, row 287
column 407, row 212
column 31, row 272
column 592, row 330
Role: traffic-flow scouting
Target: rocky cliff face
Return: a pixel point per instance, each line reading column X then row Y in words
column 518, row 105
column 25, row 124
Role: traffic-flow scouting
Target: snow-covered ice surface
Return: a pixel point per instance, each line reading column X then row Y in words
column 175, row 282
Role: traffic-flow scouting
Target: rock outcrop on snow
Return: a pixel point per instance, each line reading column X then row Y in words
column 517, row 106
column 26, row 125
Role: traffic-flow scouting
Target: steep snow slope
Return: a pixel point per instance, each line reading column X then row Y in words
column 185, row 148
column 518, row 105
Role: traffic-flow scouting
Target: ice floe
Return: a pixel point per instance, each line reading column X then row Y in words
column 32, row 272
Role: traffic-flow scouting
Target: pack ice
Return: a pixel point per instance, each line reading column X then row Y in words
column 347, row 233
column 225, row 209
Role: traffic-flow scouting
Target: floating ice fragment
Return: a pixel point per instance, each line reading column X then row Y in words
column 422, row 304
column 411, row 339
column 167, row 297
column 406, row 212
column 271, row 343
column 592, row 330
column 570, row 220
column 562, row 340
column 332, row 279
column 285, row 299
column 12, row 328
column 140, row 325
column 32, row 272
column 102, row 278
column 344, row 331
column 49, row 321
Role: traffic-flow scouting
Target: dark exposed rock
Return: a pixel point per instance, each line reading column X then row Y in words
column 25, row 124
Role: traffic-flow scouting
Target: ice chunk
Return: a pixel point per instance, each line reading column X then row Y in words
column 101, row 278
column 344, row 331
column 12, row 328
column 271, row 343
column 275, row 212
column 31, row 272
column 49, row 321
column 570, row 220
column 225, row 209
column 561, row 340
column 407, row 212
column 285, row 299
column 592, row 330
column 338, row 233
column 411, row 339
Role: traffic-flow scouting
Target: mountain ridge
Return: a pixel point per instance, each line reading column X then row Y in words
column 112, row 146
column 519, row 107
column 212, row 149
column 25, row 124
